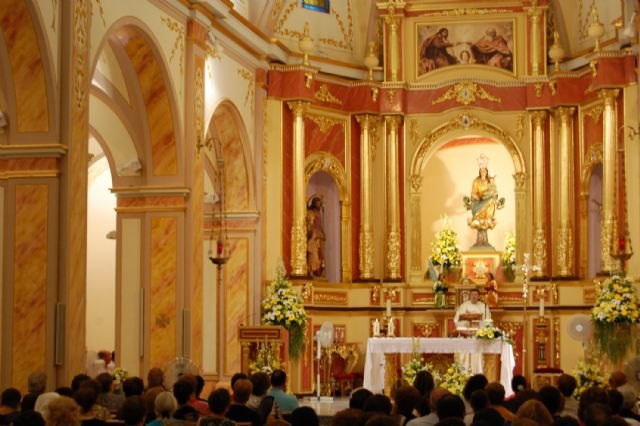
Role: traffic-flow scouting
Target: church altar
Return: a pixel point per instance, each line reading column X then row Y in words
column 377, row 347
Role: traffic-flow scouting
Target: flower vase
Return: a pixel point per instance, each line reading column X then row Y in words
column 452, row 275
column 509, row 274
column 440, row 300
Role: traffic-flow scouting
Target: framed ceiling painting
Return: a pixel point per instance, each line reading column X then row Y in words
column 486, row 43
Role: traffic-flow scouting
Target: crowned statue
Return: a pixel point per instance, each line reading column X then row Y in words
column 483, row 203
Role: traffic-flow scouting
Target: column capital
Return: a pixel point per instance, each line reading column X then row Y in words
column 564, row 113
column 538, row 116
column 299, row 108
column 609, row 96
column 520, row 180
column 393, row 121
column 367, row 120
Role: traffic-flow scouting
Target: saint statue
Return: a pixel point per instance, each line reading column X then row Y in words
column 315, row 237
column 483, row 204
column 491, row 288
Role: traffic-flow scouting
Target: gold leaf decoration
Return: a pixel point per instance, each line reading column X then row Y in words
column 324, row 122
column 466, row 93
column 324, row 95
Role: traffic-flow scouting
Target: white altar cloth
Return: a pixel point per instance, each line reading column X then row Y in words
column 374, row 364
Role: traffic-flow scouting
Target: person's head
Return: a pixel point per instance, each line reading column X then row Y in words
column 479, row 400
column 11, row 398
column 407, row 398
column 77, row 380
column 165, row 404
column 105, row 356
column 488, row 416
column 566, row 421
column 474, row 295
column 132, row 386
column 591, row 396
column 37, row 382
column 615, row 401
column 316, row 203
column 182, row 390
column 567, row 385
column 436, row 395
column 491, row 32
column 133, row 411
column 28, row 418
column 28, row 401
column 495, row 393
column 450, row 406
column 105, row 380
column 536, row 411
column 347, row 417
column 85, row 397
column 381, row 420
column 477, row 381
column 63, row 411
column 465, row 56
column 617, row 379
column 490, row 276
column 629, row 397
column 236, row 377
column 260, row 383
column 424, row 382
column 524, row 396
column 483, row 172
column 551, row 397
column 279, row 379
column 199, row 385
column 443, row 32
column 43, row 401
column 518, row 383
column 242, row 391
column 378, row 403
column 304, row 416
column 64, row 391
column 596, row 414
column 358, row 397
column 219, row 401
column 155, row 377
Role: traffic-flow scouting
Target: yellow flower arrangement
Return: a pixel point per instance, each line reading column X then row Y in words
column 489, row 332
column 266, row 360
column 614, row 316
column 417, row 363
column 120, row 374
column 587, row 375
column 284, row 306
column 444, row 249
column 453, row 379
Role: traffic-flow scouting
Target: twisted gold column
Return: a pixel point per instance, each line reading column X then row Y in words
column 367, row 122
column 539, row 237
column 393, row 198
column 609, row 147
column 298, row 227
column 564, row 115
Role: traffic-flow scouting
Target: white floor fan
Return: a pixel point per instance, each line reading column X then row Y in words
column 324, row 339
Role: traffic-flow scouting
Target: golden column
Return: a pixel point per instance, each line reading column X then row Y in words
column 536, row 15
column 392, row 29
column 298, row 228
column 367, row 124
column 539, row 237
column 393, row 198
column 609, row 147
column 564, row 115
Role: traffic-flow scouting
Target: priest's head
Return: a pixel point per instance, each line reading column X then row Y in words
column 474, row 295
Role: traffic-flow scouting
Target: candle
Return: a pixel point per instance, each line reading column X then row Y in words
column 541, row 306
column 391, row 328
column 376, row 327
column 388, row 306
column 318, row 345
column 219, row 247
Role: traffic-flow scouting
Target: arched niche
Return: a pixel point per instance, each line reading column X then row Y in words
column 591, row 212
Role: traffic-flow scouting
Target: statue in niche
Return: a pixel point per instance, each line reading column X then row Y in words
column 315, row 236
column 483, row 204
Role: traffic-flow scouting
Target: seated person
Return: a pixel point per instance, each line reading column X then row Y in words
column 471, row 313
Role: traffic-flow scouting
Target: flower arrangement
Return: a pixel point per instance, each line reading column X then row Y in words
column 615, row 311
column 489, row 332
column 509, row 255
column 120, row 374
column 266, row 359
column 444, row 249
column 587, row 375
column 284, row 306
column 453, row 379
column 417, row 363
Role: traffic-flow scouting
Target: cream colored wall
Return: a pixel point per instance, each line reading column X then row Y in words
column 130, row 321
column 101, row 260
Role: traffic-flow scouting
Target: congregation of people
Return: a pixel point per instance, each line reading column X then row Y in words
column 262, row 399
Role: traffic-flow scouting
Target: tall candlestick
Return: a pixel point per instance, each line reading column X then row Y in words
column 388, row 306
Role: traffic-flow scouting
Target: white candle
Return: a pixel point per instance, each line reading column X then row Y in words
column 388, row 307
column 391, row 328
column 376, row 327
column 541, row 305
column 318, row 345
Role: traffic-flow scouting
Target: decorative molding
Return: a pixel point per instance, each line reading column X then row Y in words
column 324, row 95
column 416, row 182
column 330, row 297
column 422, row 298
column 538, row 89
column 374, row 294
column 250, row 78
column 178, row 43
column 80, row 47
column 462, row 11
column 199, row 107
column 520, row 127
column 323, row 122
column 466, row 93
column 594, row 112
column 425, row 329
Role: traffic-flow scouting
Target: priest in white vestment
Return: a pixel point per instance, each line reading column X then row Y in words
column 472, row 307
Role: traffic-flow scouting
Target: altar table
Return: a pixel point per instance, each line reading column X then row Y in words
column 374, row 364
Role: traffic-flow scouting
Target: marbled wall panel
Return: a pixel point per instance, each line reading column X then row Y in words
column 27, row 68
column 236, row 296
column 28, row 167
column 29, row 281
column 196, row 260
column 150, row 203
column 162, row 292
column 156, row 99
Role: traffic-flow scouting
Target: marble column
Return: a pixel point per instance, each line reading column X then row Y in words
column 609, row 171
column 393, row 198
column 564, row 258
column 298, row 228
column 539, row 204
column 366, row 252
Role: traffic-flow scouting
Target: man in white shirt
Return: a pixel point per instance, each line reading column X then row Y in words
column 472, row 307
